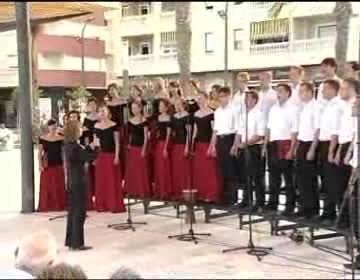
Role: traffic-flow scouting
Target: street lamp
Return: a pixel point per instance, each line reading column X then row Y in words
column 224, row 14
column 83, row 51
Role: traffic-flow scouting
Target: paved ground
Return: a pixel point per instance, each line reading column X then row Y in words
column 152, row 254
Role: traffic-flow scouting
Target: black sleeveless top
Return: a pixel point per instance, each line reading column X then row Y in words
column 106, row 139
column 204, row 129
column 136, row 133
column 90, row 125
column 161, row 129
column 179, row 131
column 117, row 113
column 53, row 150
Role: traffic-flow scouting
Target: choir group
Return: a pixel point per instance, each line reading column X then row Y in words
column 303, row 137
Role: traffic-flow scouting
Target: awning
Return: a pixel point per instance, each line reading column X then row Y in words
column 269, row 29
column 44, row 12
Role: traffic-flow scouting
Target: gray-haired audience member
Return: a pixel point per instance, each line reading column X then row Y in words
column 36, row 252
column 125, row 273
column 62, row 271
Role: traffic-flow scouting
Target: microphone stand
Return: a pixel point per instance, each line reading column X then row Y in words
column 252, row 250
column 191, row 235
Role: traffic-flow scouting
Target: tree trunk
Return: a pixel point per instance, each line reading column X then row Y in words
column 343, row 12
column 183, row 41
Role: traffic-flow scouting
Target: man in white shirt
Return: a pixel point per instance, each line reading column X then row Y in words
column 224, row 128
column 329, row 125
column 296, row 75
column 281, row 138
column 345, row 136
column 249, row 140
column 306, row 175
column 328, row 69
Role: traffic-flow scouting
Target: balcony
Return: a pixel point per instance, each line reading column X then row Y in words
column 307, row 51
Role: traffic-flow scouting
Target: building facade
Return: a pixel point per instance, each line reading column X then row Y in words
column 302, row 34
column 58, row 51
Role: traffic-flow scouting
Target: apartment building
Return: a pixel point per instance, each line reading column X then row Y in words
column 303, row 33
column 57, row 58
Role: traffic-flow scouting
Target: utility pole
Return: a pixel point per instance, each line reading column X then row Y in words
column 25, row 106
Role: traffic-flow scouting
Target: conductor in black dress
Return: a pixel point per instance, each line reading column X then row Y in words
column 75, row 158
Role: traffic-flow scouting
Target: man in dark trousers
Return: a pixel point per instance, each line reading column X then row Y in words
column 224, row 129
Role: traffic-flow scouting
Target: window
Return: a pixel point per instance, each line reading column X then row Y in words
column 125, row 9
column 168, row 42
column 326, row 31
column 168, row 6
column 238, row 34
column 145, row 48
column 209, row 42
column 144, row 8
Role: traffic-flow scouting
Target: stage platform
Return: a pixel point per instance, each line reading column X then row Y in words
column 153, row 255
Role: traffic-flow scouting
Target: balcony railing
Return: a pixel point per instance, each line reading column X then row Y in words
column 296, row 46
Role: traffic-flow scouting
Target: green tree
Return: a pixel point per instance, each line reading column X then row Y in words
column 78, row 97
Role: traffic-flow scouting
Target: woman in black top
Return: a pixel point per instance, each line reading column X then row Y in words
column 206, row 177
column 118, row 107
column 52, row 195
column 162, row 171
column 108, row 175
column 180, row 150
column 137, row 180
column 86, row 138
column 75, row 158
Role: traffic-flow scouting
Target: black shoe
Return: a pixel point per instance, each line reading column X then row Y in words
column 81, row 248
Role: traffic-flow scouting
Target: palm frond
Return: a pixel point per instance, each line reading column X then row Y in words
column 276, row 9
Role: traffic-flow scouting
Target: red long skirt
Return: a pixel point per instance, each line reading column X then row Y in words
column 137, row 180
column 52, row 195
column 206, row 177
column 123, row 144
column 162, row 173
column 90, row 176
column 108, row 184
column 180, row 170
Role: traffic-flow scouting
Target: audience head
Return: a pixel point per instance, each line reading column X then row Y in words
column 224, row 96
column 251, row 99
column 306, row 91
column 174, row 89
column 265, row 78
column 62, row 271
column 158, row 85
column 214, row 91
column 36, row 252
column 296, row 73
column 283, row 92
column 328, row 67
column 330, row 89
column 243, row 79
column 124, row 273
